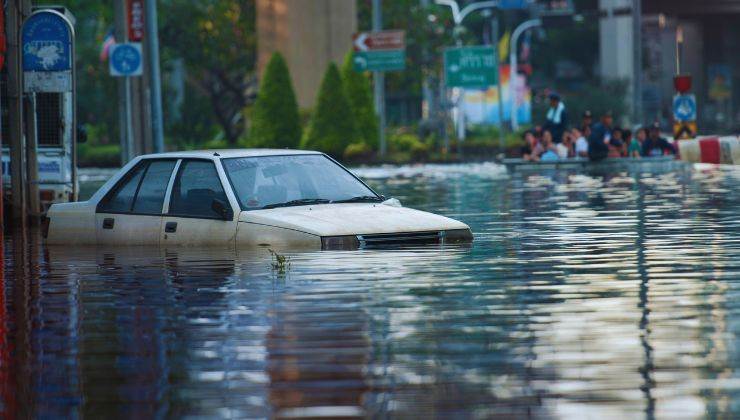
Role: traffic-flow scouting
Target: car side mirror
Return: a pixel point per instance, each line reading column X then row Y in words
column 222, row 209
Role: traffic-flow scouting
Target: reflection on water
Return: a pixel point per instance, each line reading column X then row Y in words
column 585, row 294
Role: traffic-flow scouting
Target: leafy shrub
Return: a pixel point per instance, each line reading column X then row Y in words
column 358, row 90
column 357, row 152
column 92, row 155
column 275, row 120
column 332, row 127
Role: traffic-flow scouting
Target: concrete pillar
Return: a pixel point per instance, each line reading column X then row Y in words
column 616, row 34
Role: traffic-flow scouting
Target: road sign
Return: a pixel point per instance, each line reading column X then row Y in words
column 125, row 59
column 46, row 39
column 379, row 60
column 380, row 40
column 135, row 20
column 471, row 67
column 684, row 107
column 379, row 51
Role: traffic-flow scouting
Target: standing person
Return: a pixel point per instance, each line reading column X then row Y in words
column 557, row 118
column 635, row 146
column 656, row 145
column 588, row 119
column 532, row 149
column 598, row 141
column 581, row 144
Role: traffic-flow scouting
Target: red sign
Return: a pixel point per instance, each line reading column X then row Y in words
column 135, row 20
column 377, row 41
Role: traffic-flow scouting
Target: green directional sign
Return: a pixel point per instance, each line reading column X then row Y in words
column 471, row 67
column 379, row 60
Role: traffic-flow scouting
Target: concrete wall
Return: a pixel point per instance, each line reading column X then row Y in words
column 616, row 34
column 310, row 34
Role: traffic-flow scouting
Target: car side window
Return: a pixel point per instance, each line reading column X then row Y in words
column 150, row 197
column 196, row 186
column 121, row 199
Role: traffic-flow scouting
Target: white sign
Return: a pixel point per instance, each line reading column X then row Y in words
column 126, row 60
column 39, row 81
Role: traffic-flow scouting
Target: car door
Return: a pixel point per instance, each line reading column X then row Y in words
column 190, row 218
column 131, row 213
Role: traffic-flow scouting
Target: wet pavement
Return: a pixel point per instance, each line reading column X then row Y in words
column 608, row 295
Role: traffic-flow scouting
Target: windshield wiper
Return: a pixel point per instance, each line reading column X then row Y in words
column 361, row 199
column 299, row 202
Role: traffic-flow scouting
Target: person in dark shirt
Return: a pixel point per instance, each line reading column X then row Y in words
column 587, row 119
column 656, row 145
column 557, row 118
column 598, row 141
column 616, row 143
column 532, row 149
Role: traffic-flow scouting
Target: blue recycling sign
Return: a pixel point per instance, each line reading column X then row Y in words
column 684, row 107
column 125, row 59
column 46, row 38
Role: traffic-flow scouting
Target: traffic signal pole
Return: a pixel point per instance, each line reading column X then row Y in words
column 152, row 41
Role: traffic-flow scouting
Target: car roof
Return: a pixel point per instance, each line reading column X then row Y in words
column 229, row 153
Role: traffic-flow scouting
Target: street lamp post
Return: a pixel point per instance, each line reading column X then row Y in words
column 513, row 62
column 458, row 15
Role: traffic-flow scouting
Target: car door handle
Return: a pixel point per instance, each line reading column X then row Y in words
column 170, row 227
column 108, row 223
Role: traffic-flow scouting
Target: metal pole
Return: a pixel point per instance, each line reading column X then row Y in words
column 379, row 78
column 32, row 164
column 514, row 63
column 152, row 40
column 679, row 41
column 124, row 87
column 637, row 34
column 494, row 43
column 15, row 116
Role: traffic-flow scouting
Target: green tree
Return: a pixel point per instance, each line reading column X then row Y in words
column 218, row 42
column 357, row 87
column 275, row 120
column 332, row 127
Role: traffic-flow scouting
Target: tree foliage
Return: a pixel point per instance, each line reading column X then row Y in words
column 218, row 42
column 275, row 120
column 359, row 94
column 332, row 127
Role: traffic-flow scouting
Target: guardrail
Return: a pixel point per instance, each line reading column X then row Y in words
column 710, row 149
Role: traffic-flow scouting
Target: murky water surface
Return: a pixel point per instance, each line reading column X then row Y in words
column 585, row 294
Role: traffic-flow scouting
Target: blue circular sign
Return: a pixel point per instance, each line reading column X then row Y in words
column 47, row 42
column 684, row 107
column 125, row 59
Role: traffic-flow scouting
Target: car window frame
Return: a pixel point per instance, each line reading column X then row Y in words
column 176, row 178
column 126, row 178
column 242, row 207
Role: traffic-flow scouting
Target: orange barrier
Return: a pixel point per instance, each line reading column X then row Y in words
column 711, row 149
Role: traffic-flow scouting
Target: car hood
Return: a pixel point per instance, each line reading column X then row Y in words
column 350, row 219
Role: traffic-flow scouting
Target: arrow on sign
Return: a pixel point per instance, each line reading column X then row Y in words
column 360, row 44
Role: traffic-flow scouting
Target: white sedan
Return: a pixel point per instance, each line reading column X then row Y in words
column 244, row 198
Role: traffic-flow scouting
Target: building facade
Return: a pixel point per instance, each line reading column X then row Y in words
column 710, row 53
column 310, row 34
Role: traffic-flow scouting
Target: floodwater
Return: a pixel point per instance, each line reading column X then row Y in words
column 602, row 295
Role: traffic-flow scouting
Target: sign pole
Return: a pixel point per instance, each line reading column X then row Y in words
column 32, row 165
column 379, row 78
column 152, row 41
column 123, row 85
column 494, row 44
column 15, row 117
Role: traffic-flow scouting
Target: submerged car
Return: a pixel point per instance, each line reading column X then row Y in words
column 244, row 198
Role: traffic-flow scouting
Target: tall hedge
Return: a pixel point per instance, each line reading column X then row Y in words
column 275, row 120
column 359, row 92
column 332, row 126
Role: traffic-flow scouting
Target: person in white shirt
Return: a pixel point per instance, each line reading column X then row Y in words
column 581, row 143
column 565, row 147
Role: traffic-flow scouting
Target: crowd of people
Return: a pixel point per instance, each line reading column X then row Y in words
column 556, row 140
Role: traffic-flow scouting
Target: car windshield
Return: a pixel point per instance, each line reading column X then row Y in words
column 280, row 181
